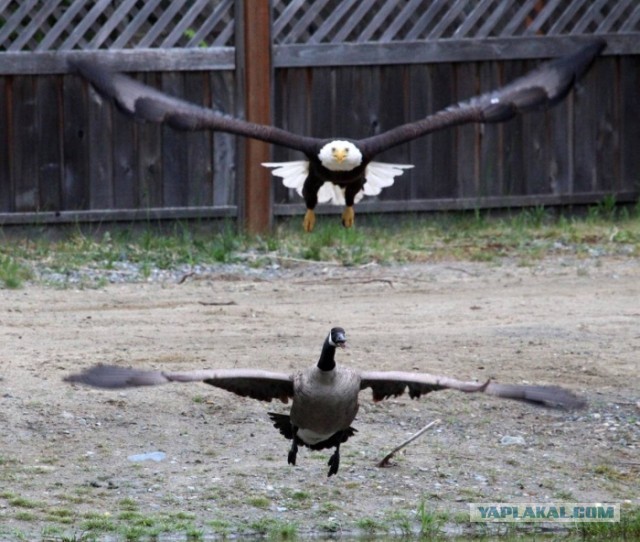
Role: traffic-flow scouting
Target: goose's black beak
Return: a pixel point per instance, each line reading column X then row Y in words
column 340, row 340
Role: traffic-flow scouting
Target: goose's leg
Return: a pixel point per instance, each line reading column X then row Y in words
column 334, row 462
column 293, row 451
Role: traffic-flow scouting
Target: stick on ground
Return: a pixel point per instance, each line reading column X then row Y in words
column 387, row 458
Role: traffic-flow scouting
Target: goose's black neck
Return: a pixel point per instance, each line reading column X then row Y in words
column 327, row 360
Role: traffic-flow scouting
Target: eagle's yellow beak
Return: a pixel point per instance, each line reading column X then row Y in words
column 340, row 155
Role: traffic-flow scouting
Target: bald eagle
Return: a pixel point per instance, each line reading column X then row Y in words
column 342, row 171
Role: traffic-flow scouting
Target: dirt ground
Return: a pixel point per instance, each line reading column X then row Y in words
column 64, row 450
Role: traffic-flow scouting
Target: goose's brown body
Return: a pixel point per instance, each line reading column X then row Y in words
column 319, row 392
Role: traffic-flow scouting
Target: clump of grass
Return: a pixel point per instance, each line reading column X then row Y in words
column 628, row 528
column 23, row 502
column 430, row 521
column 274, row 529
column 13, row 274
column 372, row 526
column 259, row 501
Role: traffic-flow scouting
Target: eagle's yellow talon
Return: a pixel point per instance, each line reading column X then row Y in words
column 348, row 217
column 309, row 220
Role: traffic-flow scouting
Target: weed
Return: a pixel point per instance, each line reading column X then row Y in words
column 628, row 528
column 12, row 273
column 371, row 526
column 609, row 472
column 259, row 501
column 430, row 522
column 22, row 502
column 128, row 504
column 99, row 522
column 220, row 527
column 26, row 516
column 400, row 523
column 564, row 495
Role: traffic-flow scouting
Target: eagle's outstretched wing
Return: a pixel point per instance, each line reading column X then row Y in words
column 147, row 103
column 541, row 88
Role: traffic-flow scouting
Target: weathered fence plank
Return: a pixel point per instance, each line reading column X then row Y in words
column 608, row 123
column 224, row 145
column 25, row 164
column 48, row 99
column 7, row 150
column 586, row 119
column 467, row 144
column 513, row 133
column 75, row 145
column 630, row 123
column 149, row 151
column 560, row 147
column 125, row 179
column 491, row 140
column 174, row 152
column 100, row 137
column 199, row 178
column 392, row 110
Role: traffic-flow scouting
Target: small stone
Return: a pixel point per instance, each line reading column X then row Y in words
column 508, row 440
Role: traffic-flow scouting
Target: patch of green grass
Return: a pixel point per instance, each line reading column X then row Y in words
column 102, row 523
column 259, row 501
column 220, row 527
column 23, row 502
column 609, row 472
column 564, row 495
column 371, row 526
column 527, row 235
column 128, row 504
column 24, row 515
column 400, row 523
column 60, row 515
column 628, row 528
column 13, row 274
column 430, row 521
column 274, row 529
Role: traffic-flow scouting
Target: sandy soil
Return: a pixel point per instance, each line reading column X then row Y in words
column 574, row 323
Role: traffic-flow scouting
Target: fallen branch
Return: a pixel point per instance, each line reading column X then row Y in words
column 387, row 458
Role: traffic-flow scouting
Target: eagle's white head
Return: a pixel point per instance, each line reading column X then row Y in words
column 340, row 156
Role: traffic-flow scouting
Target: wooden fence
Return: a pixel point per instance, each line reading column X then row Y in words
column 340, row 67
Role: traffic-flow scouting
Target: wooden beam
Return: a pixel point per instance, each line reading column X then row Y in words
column 254, row 76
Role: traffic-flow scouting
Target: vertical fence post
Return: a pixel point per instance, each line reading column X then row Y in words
column 254, row 84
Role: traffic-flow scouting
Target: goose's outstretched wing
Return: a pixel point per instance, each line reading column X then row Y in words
column 541, row 88
column 147, row 103
column 254, row 383
column 387, row 384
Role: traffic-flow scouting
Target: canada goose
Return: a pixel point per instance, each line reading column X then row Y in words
column 325, row 397
column 342, row 170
